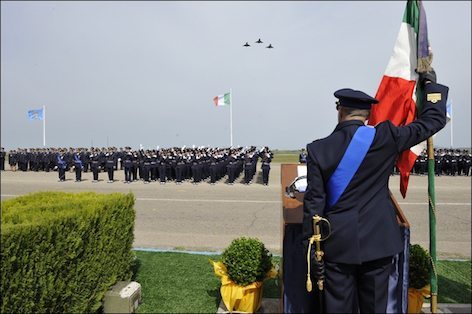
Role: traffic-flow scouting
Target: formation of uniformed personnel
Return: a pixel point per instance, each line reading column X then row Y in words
column 166, row 164
column 446, row 162
column 347, row 175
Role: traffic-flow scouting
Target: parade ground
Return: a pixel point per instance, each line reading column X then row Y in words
column 207, row 217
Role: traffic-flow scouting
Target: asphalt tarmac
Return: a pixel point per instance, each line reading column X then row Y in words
column 207, row 217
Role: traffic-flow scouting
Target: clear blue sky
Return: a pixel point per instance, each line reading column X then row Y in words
column 146, row 72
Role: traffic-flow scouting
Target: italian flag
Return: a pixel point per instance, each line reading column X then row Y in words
column 398, row 91
column 222, row 100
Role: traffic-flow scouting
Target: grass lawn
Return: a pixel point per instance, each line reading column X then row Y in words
column 183, row 283
column 454, row 282
column 285, row 158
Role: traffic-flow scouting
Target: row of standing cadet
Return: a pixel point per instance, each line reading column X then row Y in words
column 446, row 162
column 172, row 164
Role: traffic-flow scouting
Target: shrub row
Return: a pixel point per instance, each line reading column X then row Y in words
column 60, row 252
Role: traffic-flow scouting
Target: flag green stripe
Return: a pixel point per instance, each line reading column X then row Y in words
column 412, row 15
column 227, row 99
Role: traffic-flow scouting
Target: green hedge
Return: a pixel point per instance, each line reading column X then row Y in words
column 60, row 252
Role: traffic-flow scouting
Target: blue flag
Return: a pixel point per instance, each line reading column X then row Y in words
column 449, row 111
column 36, row 114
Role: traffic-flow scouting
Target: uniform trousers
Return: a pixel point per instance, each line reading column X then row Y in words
column 146, row 170
column 247, row 173
column 110, row 171
column 95, row 171
column 265, row 174
column 162, row 172
column 62, row 173
column 128, row 171
column 357, row 288
column 213, row 173
column 78, row 173
column 179, row 171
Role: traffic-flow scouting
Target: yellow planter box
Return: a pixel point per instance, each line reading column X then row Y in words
column 238, row 298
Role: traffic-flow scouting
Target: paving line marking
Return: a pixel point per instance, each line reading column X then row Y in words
column 249, row 201
column 203, row 200
column 425, row 203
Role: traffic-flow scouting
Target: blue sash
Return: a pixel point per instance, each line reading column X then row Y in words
column 352, row 159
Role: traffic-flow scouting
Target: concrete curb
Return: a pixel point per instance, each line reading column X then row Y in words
column 272, row 306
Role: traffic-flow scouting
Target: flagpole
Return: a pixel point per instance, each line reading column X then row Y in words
column 452, row 130
column 231, row 115
column 44, row 125
column 432, row 226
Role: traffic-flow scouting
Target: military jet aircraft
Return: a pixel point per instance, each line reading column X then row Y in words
column 270, row 46
column 259, row 41
column 246, row 45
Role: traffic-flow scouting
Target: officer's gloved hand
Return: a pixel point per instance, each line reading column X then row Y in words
column 427, row 77
column 317, row 268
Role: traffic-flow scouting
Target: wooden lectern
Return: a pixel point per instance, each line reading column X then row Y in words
column 294, row 297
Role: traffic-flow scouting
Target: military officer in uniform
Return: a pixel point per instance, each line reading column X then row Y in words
column 110, row 165
column 61, row 166
column 78, row 166
column 364, row 230
column 95, row 164
column 127, row 159
column 302, row 157
column 266, row 159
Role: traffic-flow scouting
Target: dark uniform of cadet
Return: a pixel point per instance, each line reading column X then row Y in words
column 266, row 159
column 110, row 165
column 95, row 165
column 162, row 168
column 179, row 169
column 302, row 157
column 248, row 168
column 78, row 165
column 146, row 167
column 61, row 167
column 2, row 159
column 128, row 165
column 154, row 166
column 13, row 160
column 364, row 230
column 231, row 169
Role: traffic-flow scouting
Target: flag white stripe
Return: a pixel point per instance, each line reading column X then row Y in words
column 403, row 61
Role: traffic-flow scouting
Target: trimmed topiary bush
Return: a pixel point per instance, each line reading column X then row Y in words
column 62, row 251
column 420, row 267
column 247, row 261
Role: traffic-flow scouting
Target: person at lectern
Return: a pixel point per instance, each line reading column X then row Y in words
column 347, row 174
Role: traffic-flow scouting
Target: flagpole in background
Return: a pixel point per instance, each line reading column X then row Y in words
column 452, row 129
column 44, row 126
column 231, row 115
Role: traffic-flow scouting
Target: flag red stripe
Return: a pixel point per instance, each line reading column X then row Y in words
column 397, row 105
column 395, row 102
column 216, row 100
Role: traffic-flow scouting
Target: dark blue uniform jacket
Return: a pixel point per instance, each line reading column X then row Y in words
column 363, row 221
